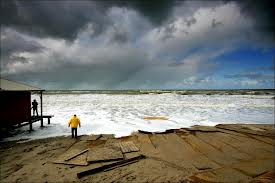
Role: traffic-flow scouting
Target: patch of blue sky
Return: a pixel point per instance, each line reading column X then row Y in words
column 247, row 58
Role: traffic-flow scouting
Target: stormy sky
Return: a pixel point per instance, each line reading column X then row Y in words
column 138, row 44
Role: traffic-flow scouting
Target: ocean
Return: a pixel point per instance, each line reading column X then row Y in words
column 121, row 114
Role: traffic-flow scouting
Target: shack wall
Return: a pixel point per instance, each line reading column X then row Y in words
column 15, row 107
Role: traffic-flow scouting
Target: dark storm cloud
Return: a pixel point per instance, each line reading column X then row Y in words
column 52, row 18
column 263, row 14
column 65, row 18
column 157, row 11
column 12, row 42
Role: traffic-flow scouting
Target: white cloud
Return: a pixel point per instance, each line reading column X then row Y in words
column 179, row 35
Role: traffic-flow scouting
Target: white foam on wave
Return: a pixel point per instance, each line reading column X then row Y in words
column 123, row 114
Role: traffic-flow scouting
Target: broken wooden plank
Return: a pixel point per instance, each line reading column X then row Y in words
column 129, row 146
column 76, row 154
column 133, row 147
column 80, row 160
column 71, row 157
column 104, row 154
column 106, row 167
column 68, row 154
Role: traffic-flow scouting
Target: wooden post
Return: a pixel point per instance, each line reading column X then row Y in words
column 49, row 121
column 30, row 125
column 30, row 115
column 41, row 110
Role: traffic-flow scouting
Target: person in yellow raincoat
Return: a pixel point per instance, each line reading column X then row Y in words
column 74, row 122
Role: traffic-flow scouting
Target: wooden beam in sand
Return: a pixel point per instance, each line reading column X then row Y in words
column 110, row 166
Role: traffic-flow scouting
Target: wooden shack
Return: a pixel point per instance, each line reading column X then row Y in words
column 15, row 105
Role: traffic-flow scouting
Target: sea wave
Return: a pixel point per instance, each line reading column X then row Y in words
column 123, row 114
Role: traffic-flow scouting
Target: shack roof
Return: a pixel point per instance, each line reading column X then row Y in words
column 7, row 85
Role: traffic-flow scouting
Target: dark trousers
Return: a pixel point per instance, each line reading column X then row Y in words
column 35, row 110
column 74, row 132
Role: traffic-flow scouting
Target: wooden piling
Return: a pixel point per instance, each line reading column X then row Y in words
column 30, row 122
column 41, row 108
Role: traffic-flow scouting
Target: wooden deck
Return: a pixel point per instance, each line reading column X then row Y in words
column 35, row 119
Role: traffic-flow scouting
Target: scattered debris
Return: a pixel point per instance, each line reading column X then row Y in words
column 110, row 166
column 112, row 152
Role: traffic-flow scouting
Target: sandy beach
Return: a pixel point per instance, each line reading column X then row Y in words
column 224, row 153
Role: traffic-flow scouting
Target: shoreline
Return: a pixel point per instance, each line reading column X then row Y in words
column 4, row 139
column 223, row 153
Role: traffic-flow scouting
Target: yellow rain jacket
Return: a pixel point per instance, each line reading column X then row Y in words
column 74, row 122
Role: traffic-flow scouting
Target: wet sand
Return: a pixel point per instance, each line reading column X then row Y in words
column 225, row 153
